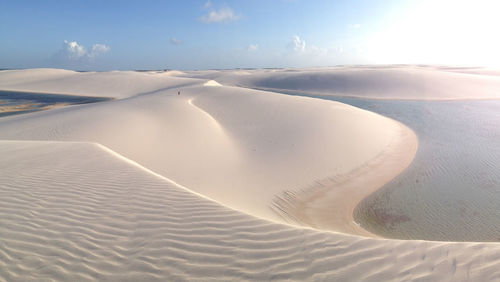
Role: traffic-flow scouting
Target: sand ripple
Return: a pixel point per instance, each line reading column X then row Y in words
column 76, row 212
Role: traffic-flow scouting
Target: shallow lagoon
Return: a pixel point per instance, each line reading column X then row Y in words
column 451, row 191
column 13, row 102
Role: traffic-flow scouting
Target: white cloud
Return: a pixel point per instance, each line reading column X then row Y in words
column 73, row 50
column 301, row 53
column 252, row 47
column 98, row 49
column 222, row 15
column 73, row 53
column 175, row 41
column 208, row 5
column 298, row 44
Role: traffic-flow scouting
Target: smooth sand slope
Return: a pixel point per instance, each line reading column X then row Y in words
column 107, row 200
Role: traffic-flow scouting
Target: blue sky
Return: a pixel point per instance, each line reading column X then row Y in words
column 106, row 35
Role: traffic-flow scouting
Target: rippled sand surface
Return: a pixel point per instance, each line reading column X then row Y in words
column 80, row 212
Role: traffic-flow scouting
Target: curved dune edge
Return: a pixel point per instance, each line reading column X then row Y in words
column 237, row 146
column 330, row 203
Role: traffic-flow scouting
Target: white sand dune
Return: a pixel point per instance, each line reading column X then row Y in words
column 106, row 201
column 244, row 148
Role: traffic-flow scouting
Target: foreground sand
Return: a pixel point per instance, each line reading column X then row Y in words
column 78, row 211
column 113, row 198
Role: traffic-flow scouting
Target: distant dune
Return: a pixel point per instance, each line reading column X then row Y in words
column 396, row 82
column 104, row 84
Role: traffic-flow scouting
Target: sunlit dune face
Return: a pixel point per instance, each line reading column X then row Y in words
column 445, row 31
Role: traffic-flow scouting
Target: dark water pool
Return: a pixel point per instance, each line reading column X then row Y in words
column 13, row 102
